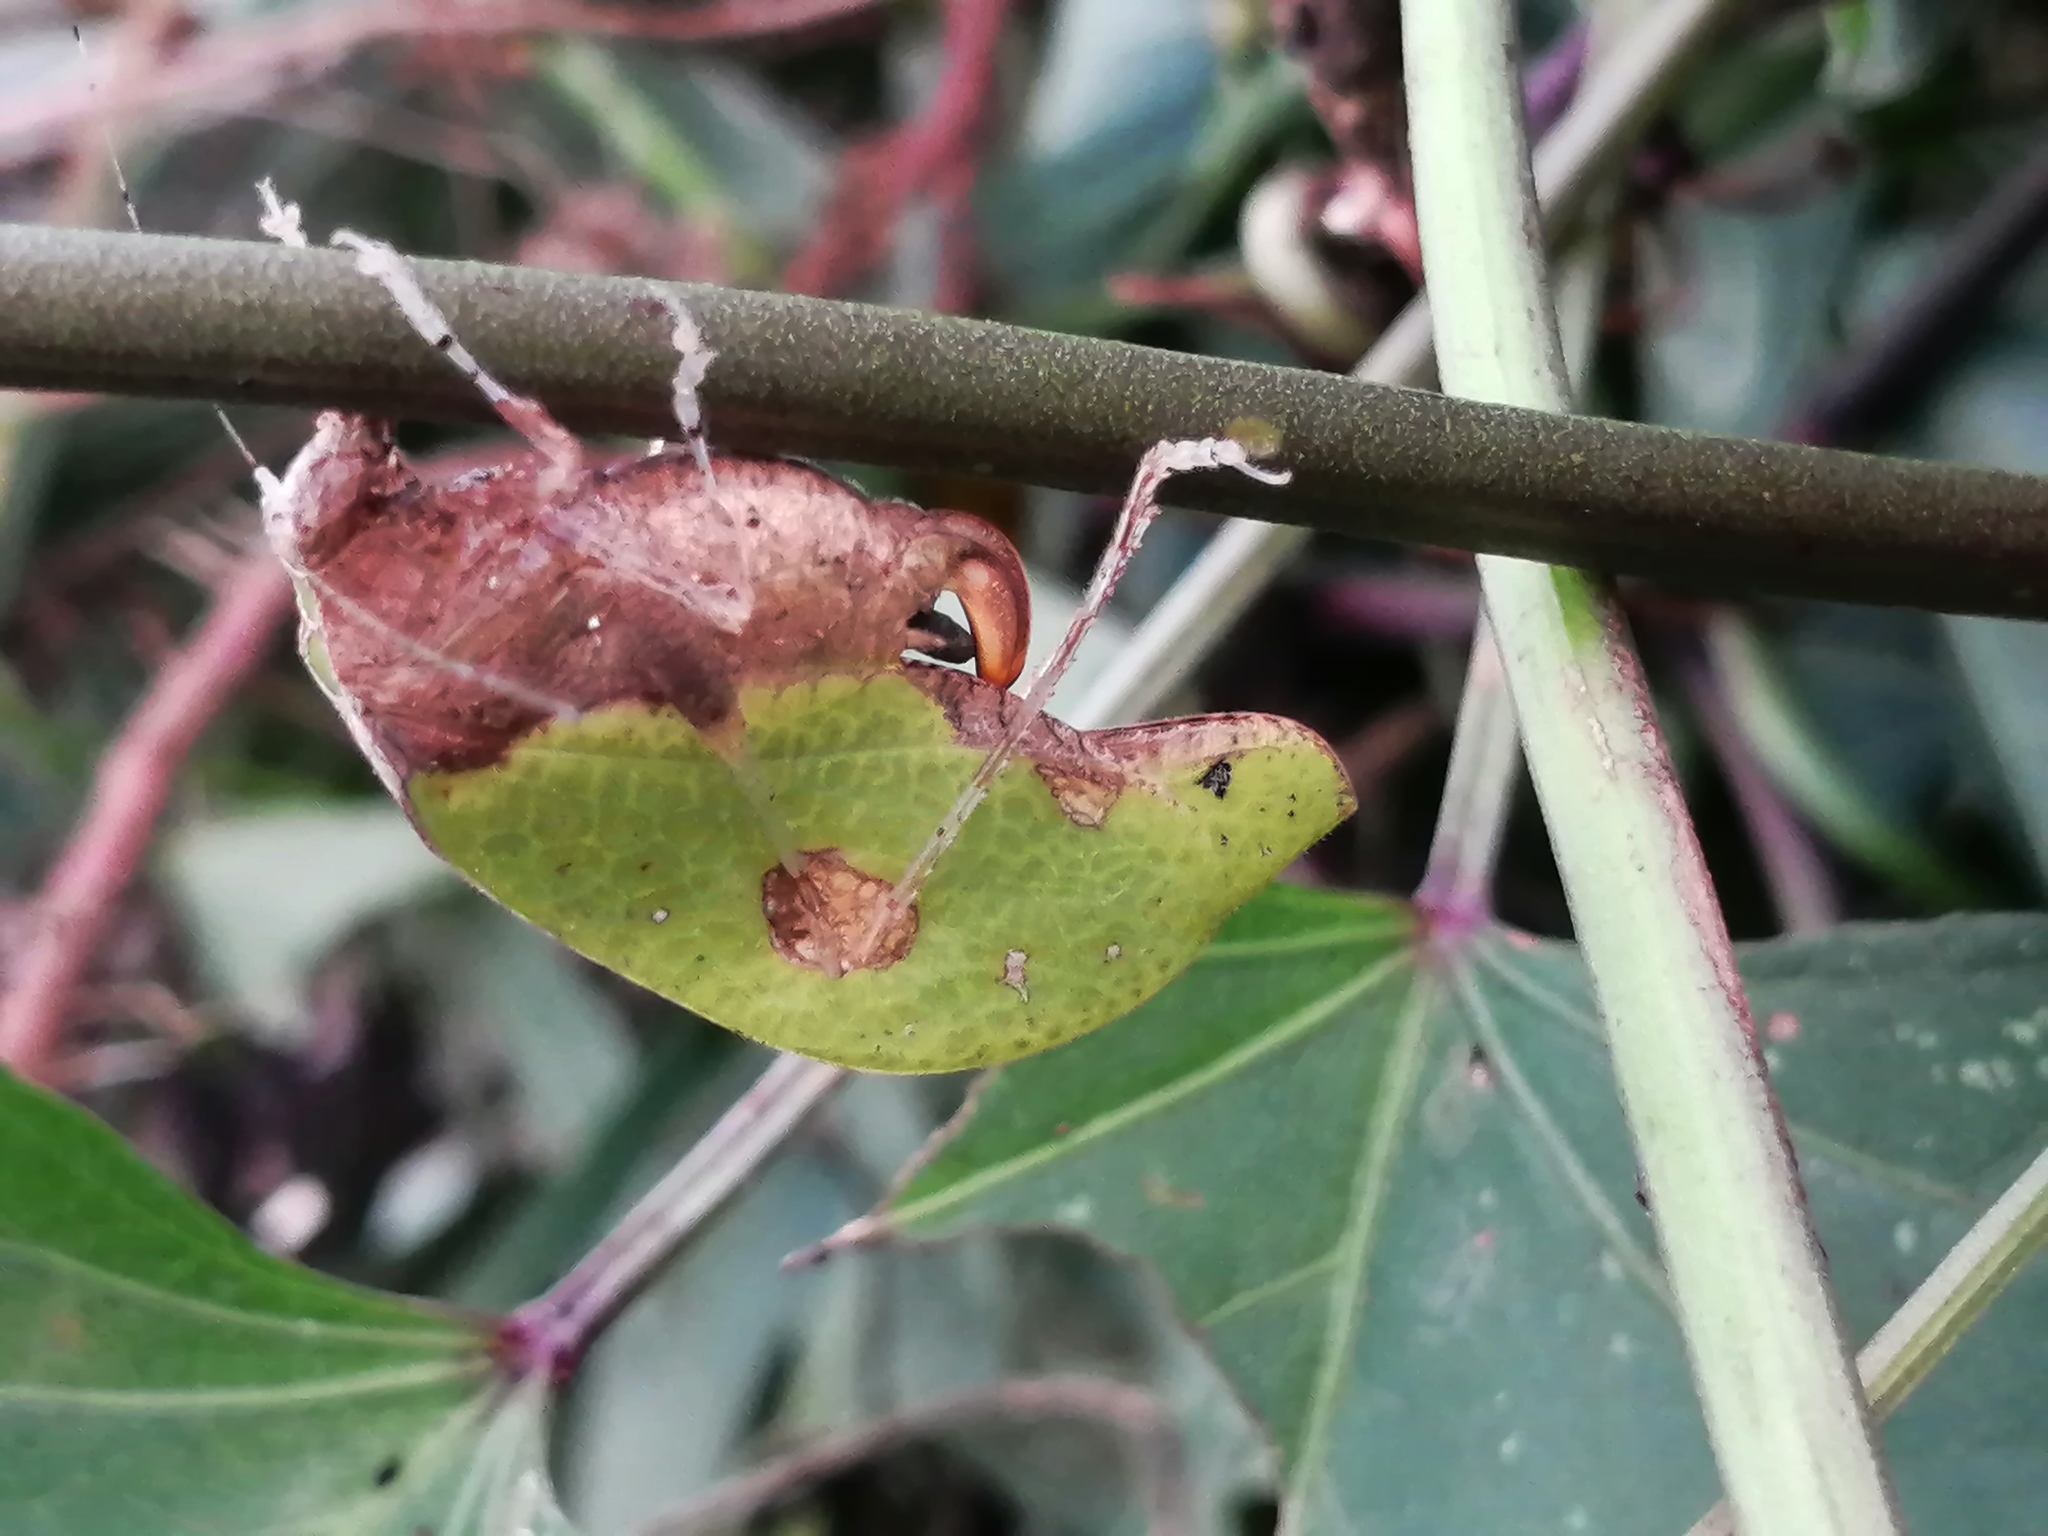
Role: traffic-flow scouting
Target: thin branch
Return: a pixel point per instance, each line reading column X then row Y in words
column 129, row 788
column 1455, row 896
column 225, row 319
column 1134, row 1413
column 236, row 67
column 1784, row 1411
column 548, row 1336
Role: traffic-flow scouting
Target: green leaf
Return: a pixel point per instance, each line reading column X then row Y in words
column 1065, row 904
column 1392, row 1185
column 158, row 1373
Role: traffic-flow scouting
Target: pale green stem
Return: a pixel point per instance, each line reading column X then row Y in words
column 1901, row 1353
column 1783, row 1406
column 1479, row 788
column 1991, row 1253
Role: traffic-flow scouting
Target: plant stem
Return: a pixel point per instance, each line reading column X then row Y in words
column 549, row 1335
column 1782, row 1403
column 129, row 788
column 1479, row 788
column 1968, row 1279
column 225, row 319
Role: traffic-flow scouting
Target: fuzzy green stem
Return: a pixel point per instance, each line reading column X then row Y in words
column 1783, row 1405
column 2003, row 1241
column 211, row 319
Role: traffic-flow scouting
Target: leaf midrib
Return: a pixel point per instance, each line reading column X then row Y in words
column 169, row 1401
column 1372, row 1178
column 1897, row 1180
column 426, row 1336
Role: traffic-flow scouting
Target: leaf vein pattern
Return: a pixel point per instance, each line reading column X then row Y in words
column 1371, row 1183
column 427, row 1336
column 1283, row 1033
column 184, row 1400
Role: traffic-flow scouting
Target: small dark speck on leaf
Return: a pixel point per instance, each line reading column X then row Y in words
column 387, row 1474
column 562, row 869
column 1478, row 1069
column 1216, row 777
column 1223, row 838
column 646, row 867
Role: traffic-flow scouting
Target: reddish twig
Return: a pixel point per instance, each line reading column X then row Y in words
column 129, row 788
column 235, row 68
column 936, row 155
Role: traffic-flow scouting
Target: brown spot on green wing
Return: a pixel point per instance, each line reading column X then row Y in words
column 832, row 917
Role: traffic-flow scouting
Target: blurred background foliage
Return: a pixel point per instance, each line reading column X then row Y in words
column 310, row 1022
